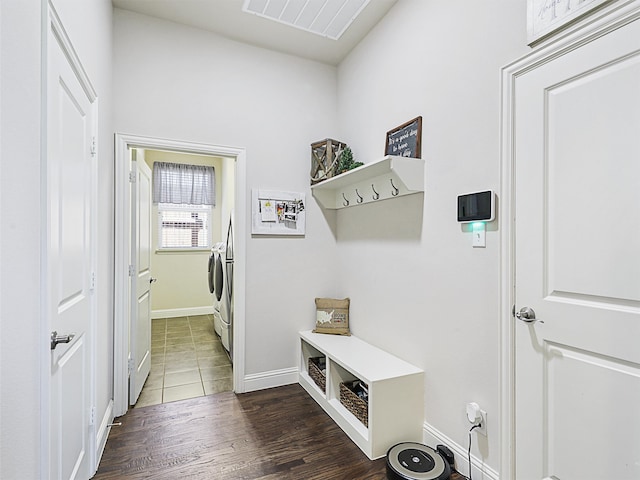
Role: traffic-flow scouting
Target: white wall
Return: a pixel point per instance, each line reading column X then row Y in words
column 176, row 82
column 418, row 289
column 24, row 339
column 20, row 230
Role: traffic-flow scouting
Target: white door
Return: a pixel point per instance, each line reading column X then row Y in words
column 70, row 173
column 577, row 262
column 141, row 279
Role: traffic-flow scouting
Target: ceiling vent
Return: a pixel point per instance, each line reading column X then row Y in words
column 328, row 18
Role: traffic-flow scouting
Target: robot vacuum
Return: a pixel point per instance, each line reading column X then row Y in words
column 414, row 461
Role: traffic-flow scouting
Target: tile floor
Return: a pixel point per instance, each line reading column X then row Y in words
column 187, row 361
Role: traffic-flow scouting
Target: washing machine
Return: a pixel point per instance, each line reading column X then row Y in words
column 216, row 283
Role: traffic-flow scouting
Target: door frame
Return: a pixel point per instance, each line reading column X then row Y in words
column 122, row 203
column 607, row 20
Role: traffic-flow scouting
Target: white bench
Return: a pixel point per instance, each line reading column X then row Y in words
column 396, row 390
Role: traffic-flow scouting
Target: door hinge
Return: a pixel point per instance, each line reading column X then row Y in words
column 92, row 416
column 93, row 147
column 132, row 177
column 131, row 365
column 132, row 270
column 92, row 281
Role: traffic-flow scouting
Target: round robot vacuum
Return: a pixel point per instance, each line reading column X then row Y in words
column 414, row 461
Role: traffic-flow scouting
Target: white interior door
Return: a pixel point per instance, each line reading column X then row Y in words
column 70, row 173
column 141, row 280
column 577, row 234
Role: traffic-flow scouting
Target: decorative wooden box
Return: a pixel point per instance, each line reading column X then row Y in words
column 325, row 156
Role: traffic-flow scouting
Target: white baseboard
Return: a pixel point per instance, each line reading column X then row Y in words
column 273, row 378
column 103, row 431
column 480, row 471
column 182, row 312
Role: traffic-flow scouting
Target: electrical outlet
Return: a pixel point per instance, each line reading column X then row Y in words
column 477, row 416
column 482, row 429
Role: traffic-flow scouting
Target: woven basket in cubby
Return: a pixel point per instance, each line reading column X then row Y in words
column 354, row 403
column 316, row 373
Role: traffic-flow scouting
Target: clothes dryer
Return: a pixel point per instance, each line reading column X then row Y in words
column 216, row 283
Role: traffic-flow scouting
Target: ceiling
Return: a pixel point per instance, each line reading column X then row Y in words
column 226, row 18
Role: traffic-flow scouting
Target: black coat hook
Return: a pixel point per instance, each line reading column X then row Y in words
column 395, row 190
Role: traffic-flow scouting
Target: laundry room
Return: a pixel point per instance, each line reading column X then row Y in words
column 190, row 350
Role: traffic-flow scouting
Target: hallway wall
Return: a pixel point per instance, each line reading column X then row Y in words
column 435, row 299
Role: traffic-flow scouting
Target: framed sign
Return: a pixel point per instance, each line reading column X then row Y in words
column 546, row 16
column 405, row 140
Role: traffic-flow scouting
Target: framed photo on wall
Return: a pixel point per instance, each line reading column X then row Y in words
column 547, row 16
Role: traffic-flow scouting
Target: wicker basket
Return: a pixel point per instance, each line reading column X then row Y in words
column 316, row 373
column 354, row 403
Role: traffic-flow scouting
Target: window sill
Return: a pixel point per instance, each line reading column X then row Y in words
column 170, row 251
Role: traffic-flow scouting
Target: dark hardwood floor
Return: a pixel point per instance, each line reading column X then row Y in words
column 279, row 433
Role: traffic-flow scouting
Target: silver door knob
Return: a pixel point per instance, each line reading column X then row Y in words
column 153, row 280
column 56, row 339
column 526, row 314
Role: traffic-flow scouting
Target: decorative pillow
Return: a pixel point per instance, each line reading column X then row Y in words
column 332, row 316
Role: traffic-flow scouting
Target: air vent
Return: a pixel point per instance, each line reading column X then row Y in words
column 327, row 18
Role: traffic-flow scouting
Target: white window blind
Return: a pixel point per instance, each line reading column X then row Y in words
column 184, row 226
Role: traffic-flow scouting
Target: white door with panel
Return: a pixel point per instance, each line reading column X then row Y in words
column 70, row 211
column 141, row 279
column 577, row 261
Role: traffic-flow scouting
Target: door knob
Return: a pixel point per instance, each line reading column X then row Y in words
column 526, row 314
column 56, row 339
column 153, row 280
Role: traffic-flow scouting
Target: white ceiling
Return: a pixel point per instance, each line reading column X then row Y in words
column 226, row 18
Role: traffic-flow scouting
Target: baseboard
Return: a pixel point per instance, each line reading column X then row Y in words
column 433, row 437
column 182, row 312
column 103, row 431
column 270, row 379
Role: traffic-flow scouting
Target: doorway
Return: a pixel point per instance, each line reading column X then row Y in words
column 193, row 320
column 188, row 356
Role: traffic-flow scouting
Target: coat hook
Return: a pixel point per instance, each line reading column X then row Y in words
column 346, row 202
column 376, row 195
column 360, row 198
column 395, row 189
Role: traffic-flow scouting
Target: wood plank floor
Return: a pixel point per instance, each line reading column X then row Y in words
column 279, row 433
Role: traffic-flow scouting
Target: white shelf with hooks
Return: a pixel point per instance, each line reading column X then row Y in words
column 389, row 177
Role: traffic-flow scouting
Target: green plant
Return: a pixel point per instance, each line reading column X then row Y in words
column 346, row 162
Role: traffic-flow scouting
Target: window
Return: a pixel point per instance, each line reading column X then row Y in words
column 185, row 197
column 184, row 226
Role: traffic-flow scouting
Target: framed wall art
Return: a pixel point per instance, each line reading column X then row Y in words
column 405, row 140
column 275, row 212
column 547, row 16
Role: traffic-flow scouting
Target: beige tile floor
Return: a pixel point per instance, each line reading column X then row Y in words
column 187, row 361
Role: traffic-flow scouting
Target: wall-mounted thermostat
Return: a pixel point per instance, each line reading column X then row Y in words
column 476, row 207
